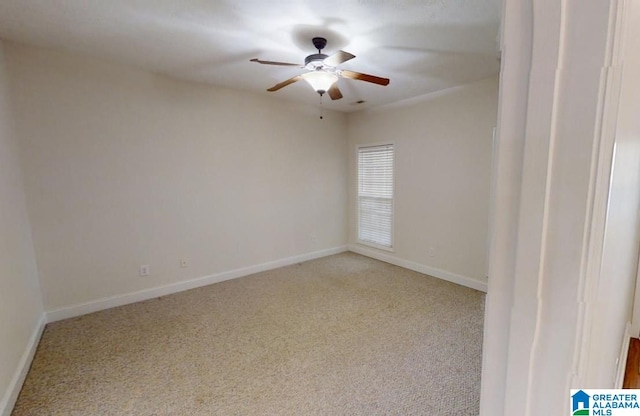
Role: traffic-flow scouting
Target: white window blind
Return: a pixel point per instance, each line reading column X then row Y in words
column 375, row 195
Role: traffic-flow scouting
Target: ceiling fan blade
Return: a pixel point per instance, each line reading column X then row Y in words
column 338, row 58
column 364, row 77
column 275, row 63
column 334, row 92
column 285, row 83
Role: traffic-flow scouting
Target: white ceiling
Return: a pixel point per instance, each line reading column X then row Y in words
column 421, row 45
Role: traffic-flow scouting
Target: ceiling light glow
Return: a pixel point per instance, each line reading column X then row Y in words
column 320, row 81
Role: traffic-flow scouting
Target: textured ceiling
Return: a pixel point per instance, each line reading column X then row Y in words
column 421, row 45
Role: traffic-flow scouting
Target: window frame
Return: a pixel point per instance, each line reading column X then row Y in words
column 393, row 197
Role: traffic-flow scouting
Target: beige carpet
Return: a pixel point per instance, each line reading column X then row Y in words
column 341, row 335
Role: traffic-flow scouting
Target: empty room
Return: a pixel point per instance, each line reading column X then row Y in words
column 314, row 208
column 182, row 241
column 179, row 240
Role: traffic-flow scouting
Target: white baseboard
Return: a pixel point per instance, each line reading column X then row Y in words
column 127, row 298
column 421, row 268
column 622, row 360
column 12, row 392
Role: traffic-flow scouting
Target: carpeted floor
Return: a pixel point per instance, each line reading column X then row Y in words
column 341, row 335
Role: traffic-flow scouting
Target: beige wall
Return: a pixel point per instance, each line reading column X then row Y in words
column 124, row 168
column 443, row 145
column 20, row 303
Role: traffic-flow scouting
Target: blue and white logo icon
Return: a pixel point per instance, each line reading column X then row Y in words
column 580, row 403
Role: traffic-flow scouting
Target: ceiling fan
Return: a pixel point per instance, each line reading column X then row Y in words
column 322, row 73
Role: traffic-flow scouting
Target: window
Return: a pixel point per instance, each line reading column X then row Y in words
column 375, row 195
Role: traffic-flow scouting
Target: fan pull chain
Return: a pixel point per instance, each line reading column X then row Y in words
column 321, row 108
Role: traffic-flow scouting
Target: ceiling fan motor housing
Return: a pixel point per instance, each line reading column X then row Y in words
column 314, row 61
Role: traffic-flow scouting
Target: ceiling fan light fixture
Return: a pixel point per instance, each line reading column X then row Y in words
column 320, row 81
column 323, row 72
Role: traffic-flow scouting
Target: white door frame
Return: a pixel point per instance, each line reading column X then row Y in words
column 538, row 91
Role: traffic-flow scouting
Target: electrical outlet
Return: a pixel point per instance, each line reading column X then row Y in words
column 314, row 237
column 144, row 270
column 184, row 263
column 431, row 251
